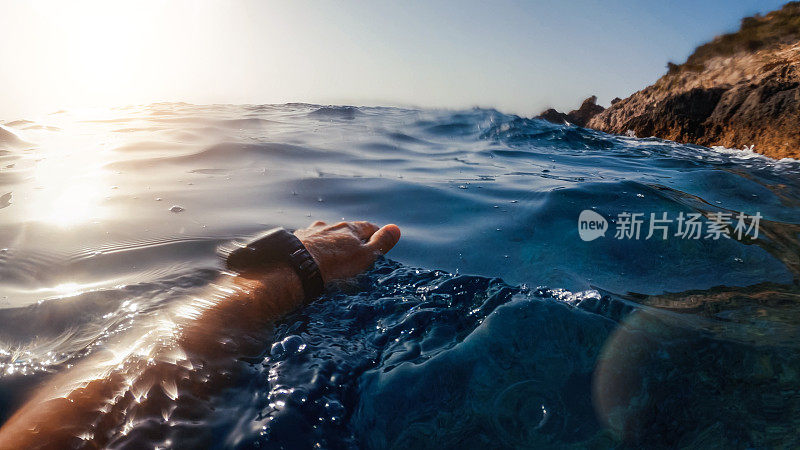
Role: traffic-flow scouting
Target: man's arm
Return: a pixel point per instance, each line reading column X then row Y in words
column 235, row 314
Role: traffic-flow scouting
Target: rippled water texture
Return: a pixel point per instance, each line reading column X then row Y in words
column 109, row 217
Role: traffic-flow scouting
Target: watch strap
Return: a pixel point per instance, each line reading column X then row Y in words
column 307, row 269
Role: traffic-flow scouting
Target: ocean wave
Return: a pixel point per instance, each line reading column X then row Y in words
column 336, row 112
column 9, row 140
column 467, row 348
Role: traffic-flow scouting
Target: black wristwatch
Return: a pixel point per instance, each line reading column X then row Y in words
column 279, row 246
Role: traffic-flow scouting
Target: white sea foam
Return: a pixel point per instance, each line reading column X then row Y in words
column 749, row 153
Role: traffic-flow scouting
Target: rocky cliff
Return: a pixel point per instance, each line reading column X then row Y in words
column 739, row 90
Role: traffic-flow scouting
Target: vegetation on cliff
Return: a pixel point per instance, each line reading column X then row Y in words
column 740, row 90
column 756, row 33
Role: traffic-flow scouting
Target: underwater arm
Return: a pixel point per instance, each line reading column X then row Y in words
column 84, row 405
column 247, row 305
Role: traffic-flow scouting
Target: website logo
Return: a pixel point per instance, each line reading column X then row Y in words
column 591, row 225
column 695, row 226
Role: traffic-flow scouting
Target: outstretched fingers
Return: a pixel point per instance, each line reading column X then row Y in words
column 384, row 239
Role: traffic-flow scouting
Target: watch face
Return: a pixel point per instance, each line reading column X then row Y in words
column 265, row 250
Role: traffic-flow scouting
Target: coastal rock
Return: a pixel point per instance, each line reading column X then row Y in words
column 581, row 116
column 742, row 90
column 589, row 108
column 551, row 115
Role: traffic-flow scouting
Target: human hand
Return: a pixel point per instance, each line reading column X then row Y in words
column 347, row 248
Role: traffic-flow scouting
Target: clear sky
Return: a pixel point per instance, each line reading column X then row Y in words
column 516, row 56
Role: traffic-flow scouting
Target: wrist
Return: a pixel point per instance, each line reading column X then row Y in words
column 285, row 280
column 279, row 248
column 275, row 288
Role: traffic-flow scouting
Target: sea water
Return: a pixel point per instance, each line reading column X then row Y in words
column 492, row 324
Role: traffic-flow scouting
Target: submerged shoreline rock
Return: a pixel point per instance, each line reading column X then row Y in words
column 741, row 90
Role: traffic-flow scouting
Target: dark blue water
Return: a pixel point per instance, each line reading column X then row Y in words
column 491, row 325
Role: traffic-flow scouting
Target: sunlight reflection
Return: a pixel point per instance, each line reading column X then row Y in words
column 69, row 180
column 76, row 203
column 69, row 289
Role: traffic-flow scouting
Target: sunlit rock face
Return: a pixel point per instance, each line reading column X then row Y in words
column 741, row 90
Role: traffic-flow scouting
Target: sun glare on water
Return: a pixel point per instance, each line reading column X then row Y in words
column 68, row 189
column 94, row 52
column 69, row 181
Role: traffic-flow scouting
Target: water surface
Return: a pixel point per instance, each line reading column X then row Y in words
column 492, row 325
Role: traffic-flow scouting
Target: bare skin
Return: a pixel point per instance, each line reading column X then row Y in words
column 85, row 405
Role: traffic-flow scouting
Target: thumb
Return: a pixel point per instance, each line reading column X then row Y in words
column 384, row 239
